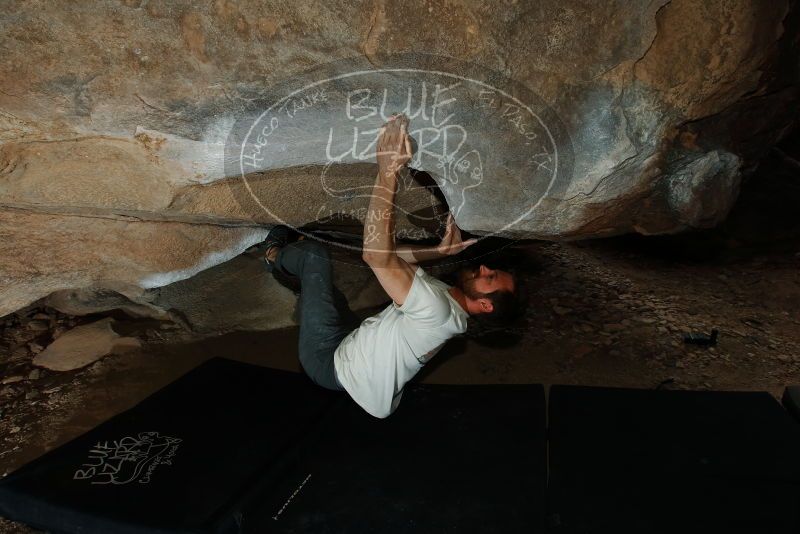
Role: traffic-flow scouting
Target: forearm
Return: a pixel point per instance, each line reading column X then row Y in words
column 379, row 223
column 418, row 253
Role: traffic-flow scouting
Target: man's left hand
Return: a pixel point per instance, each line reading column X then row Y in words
column 452, row 243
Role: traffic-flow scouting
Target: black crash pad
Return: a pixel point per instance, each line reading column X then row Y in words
column 791, row 401
column 624, row 460
column 232, row 447
column 450, row 459
column 182, row 460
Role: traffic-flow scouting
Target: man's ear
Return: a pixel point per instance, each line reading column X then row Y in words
column 486, row 305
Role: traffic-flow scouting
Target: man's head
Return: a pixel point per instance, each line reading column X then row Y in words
column 489, row 293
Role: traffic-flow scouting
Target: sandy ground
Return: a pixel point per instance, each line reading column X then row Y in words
column 609, row 313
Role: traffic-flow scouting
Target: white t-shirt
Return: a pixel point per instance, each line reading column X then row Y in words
column 375, row 360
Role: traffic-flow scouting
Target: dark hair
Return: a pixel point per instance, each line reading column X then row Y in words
column 507, row 306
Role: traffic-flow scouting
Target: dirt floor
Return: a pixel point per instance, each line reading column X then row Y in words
column 611, row 313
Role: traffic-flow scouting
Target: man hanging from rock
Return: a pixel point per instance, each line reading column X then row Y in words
column 374, row 361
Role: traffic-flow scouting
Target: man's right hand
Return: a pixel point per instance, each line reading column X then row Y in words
column 394, row 145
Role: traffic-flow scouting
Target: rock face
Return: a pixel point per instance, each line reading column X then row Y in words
column 118, row 119
column 82, row 346
column 235, row 295
column 42, row 253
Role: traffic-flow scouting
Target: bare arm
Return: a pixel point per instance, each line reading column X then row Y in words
column 379, row 251
column 418, row 253
column 451, row 244
column 379, row 224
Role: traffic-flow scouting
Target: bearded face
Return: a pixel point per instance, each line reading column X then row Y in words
column 466, row 278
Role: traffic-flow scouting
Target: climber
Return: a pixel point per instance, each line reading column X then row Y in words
column 373, row 361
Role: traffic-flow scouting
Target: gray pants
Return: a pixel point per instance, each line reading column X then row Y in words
column 324, row 316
